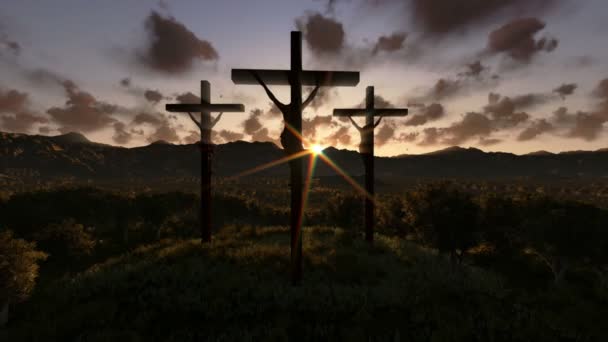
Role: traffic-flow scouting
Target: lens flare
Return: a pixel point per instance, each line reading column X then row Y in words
column 316, row 149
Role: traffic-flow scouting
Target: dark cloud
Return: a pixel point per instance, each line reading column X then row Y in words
column 516, row 39
column 408, row 137
column 230, row 135
column 472, row 125
column 537, row 128
column 601, row 91
column 441, row 17
column 44, row 129
column 565, row 89
column 324, row 35
column 82, row 111
column 164, row 132
column 394, row 42
column 340, row 136
column 121, row 135
column 9, row 44
column 587, row 126
column 21, row 122
column 153, row 96
column 252, row 124
column 310, row 126
column 172, row 47
column 148, row 118
column 193, row 137
column 125, row 82
column 379, row 102
column 188, row 98
column 263, row 136
column 430, row 136
column 474, row 69
column 488, row 141
column 12, row 101
column 506, row 112
column 425, row 114
column 385, row 133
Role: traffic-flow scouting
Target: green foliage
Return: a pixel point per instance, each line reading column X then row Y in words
column 18, row 267
column 444, row 217
column 67, row 239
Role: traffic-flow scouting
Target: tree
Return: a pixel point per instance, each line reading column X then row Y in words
column 562, row 234
column 501, row 219
column 67, row 239
column 18, row 271
column 444, row 217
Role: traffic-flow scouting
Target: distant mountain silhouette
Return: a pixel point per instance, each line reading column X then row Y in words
column 73, row 156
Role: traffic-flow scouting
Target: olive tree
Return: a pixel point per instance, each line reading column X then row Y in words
column 444, row 217
column 18, row 271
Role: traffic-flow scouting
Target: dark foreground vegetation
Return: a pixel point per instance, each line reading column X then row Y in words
column 451, row 262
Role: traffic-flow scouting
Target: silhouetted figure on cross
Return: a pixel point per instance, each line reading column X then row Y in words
column 366, row 148
column 205, row 126
column 291, row 137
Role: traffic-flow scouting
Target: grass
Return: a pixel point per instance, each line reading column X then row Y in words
column 237, row 289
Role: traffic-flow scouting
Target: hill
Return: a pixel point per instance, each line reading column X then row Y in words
column 73, row 156
column 237, row 289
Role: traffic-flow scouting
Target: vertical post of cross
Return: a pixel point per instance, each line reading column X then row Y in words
column 205, row 125
column 297, row 191
column 291, row 137
column 366, row 149
column 206, row 147
column 368, row 162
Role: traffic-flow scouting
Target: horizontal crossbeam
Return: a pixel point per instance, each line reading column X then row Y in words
column 376, row 112
column 308, row 77
column 204, row 107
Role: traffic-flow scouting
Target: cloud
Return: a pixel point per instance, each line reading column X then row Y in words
column 430, row 137
column 121, row 135
column 601, row 90
column 193, row 137
column 310, row 126
column 426, row 114
column 323, row 35
column 385, row 133
column 472, row 125
column 263, row 136
column 537, row 128
column 230, row 135
column 125, row 82
column 394, row 42
column 565, row 89
column 172, row 47
column 516, row 39
column 21, row 122
column 9, row 44
column 148, row 118
column 153, row 96
column 164, row 132
column 12, row 101
column 252, row 124
column 82, row 112
column 188, row 98
column 473, row 78
column 340, row 136
column 439, row 17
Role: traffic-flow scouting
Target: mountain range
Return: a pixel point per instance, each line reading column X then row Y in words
column 73, row 156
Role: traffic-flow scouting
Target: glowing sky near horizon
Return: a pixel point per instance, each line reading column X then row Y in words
column 403, row 48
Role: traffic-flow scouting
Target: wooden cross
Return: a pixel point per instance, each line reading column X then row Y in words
column 205, row 125
column 291, row 137
column 366, row 148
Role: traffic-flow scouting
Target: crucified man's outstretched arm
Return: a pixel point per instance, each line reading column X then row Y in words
column 378, row 122
column 219, row 116
column 198, row 123
column 311, row 96
column 354, row 123
column 282, row 107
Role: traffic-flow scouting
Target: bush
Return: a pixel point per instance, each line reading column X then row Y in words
column 67, row 239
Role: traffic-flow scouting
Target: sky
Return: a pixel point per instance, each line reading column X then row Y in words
column 500, row 75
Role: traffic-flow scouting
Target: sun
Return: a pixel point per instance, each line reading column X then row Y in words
column 316, row 149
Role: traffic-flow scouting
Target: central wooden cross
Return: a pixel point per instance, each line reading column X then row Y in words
column 366, row 148
column 205, row 125
column 291, row 137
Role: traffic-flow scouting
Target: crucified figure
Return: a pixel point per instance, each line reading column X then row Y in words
column 367, row 135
